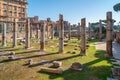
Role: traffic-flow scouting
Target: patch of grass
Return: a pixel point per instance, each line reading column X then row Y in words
column 94, row 41
column 96, row 67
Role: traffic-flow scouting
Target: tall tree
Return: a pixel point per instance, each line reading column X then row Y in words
column 116, row 7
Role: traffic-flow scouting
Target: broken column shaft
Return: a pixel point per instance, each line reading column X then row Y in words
column 78, row 31
column 27, row 37
column 30, row 30
column 61, row 34
column 89, row 30
column 69, row 36
column 15, row 34
column 42, row 42
column 83, row 39
column 37, row 31
column 4, row 34
column 109, row 34
column 52, row 31
column 100, row 30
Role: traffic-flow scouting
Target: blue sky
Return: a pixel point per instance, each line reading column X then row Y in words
column 72, row 10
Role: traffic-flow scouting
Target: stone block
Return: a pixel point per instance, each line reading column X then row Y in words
column 12, row 53
column 30, row 62
column 116, row 72
column 51, row 70
column 57, row 64
column 76, row 66
column 11, row 57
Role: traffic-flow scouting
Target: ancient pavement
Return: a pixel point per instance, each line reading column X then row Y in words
column 115, row 49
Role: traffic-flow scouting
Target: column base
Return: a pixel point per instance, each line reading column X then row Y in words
column 42, row 50
column 108, row 56
column 29, row 48
column 83, row 54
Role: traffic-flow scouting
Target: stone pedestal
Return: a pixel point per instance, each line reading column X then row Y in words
column 109, row 34
column 83, row 38
column 61, row 34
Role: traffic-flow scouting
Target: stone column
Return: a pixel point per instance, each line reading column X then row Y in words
column 89, row 31
column 109, row 35
column 4, row 34
column 61, row 34
column 83, row 39
column 100, row 30
column 27, row 37
column 42, row 42
column 78, row 31
column 69, row 36
column 37, row 32
column 31, row 30
column 52, row 31
column 15, row 34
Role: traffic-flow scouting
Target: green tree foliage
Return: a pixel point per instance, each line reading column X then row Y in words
column 116, row 7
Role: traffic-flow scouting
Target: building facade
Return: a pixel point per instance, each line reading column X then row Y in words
column 11, row 10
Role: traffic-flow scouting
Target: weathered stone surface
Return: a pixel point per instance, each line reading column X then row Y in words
column 11, row 53
column 73, row 52
column 51, row 70
column 11, row 57
column 111, row 79
column 15, row 34
column 108, row 34
column 30, row 62
column 117, row 62
column 61, row 34
column 116, row 72
column 65, row 44
column 27, row 35
column 22, row 40
column 57, row 64
column 83, row 40
column 76, row 66
column 4, row 34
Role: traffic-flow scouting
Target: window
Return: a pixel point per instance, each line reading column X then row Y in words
column 10, row 14
column 4, row 6
column 5, row 13
column 10, row 7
